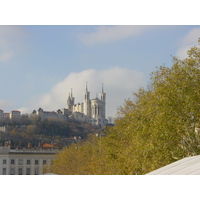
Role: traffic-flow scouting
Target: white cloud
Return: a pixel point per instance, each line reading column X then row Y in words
column 10, row 41
column 191, row 39
column 119, row 83
column 107, row 34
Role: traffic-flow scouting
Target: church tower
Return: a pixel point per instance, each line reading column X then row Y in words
column 70, row 101
column 86, row 103
column 102, row 97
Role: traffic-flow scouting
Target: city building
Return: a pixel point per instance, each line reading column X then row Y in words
column 26, row 161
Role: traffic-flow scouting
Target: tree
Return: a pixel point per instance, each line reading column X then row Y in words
column 157, row 127
column 77, row 159
column 161, row 121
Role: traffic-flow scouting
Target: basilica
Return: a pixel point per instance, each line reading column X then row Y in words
column 90, row 110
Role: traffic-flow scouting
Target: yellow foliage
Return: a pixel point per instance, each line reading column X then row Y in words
column 153, row 130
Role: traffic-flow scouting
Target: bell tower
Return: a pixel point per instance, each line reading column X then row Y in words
column 86, row 102
column 102, row 97
column 70, row 101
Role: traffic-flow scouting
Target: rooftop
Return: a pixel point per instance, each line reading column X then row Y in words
column 185, row 166
column 7, row 150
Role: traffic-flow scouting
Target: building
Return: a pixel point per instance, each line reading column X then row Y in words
column 15, row 114
column 1, row 115
column 6, row 115
column 185, row 166
column 3, row 129
column 90, row 110
column 29, row 161
column 41, row 114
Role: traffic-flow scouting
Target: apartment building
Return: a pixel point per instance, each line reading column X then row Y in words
column 15, row 114
column 25, row 161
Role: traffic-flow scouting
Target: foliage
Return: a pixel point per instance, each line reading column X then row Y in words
column 25, row 130
column 154, row 129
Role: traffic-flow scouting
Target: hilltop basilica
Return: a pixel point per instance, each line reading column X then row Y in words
column 90, row 110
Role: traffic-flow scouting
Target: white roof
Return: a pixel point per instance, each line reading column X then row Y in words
column 49, row 174
column 185, row 166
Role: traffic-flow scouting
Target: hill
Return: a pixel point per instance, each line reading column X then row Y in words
column 26, row 130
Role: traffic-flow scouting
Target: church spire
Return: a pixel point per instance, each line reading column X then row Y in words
column 86, row 87
column 71, row 93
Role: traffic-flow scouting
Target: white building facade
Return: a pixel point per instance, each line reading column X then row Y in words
column 24, row 161
column 90, row 110
column 15, row 114
column 41, row 114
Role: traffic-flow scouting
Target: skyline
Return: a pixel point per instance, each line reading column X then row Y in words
column 40, row 64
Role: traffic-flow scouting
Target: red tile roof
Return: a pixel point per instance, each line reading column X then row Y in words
column 47, row 145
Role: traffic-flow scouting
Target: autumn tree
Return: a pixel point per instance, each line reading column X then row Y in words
column 159, row 126
column 78, row 159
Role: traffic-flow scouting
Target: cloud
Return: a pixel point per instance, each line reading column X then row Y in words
column 107, row 34
column 10, row 41
column 6, row 105
column 119, row 83
column 191, row 39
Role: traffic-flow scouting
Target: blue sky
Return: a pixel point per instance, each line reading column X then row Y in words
column 40, row 64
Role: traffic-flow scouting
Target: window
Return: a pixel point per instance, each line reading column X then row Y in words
column 20, row 162
column 12, row 161
column 36, row 171
column 28, row 162
column 12, row 171
column 4, row 171
column 44, row 162
column 28, row 171
column 36, row 162
column 20, row 171
column 4, row 161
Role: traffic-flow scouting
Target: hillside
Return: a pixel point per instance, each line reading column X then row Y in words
column 26, row 130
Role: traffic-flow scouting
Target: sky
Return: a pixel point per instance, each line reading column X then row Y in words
column 39, row 64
